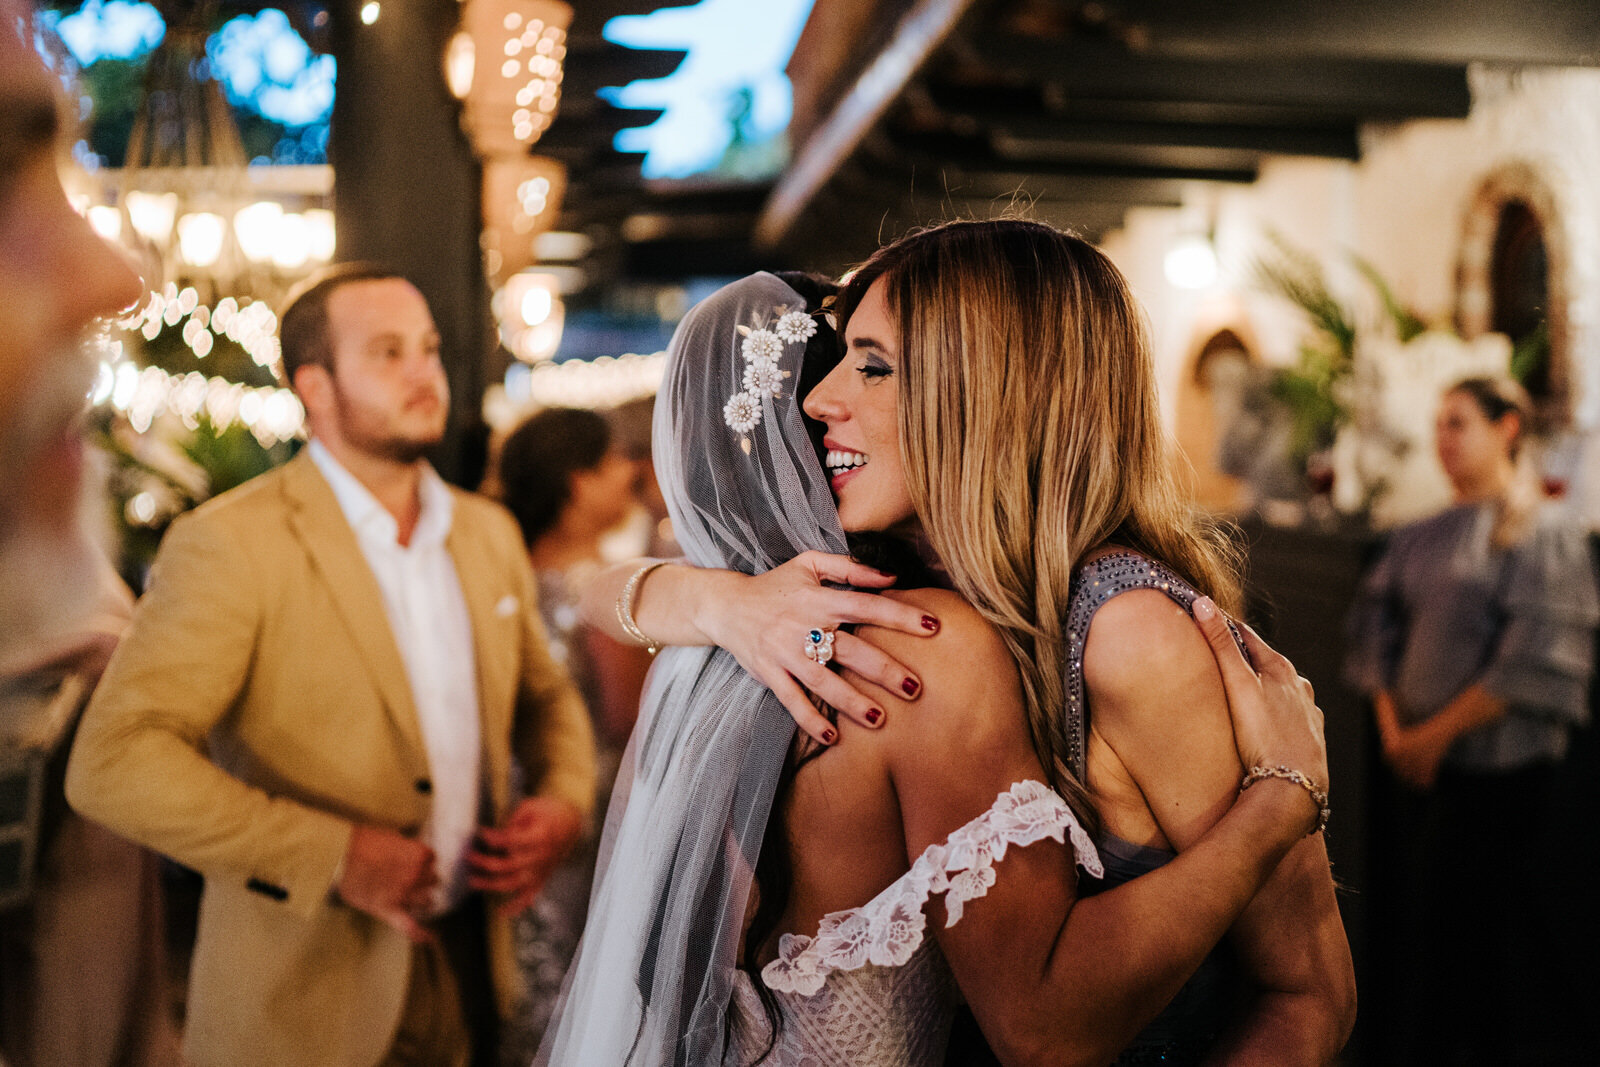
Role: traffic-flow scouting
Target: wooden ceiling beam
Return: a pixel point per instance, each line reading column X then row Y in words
column 932, row 178
column 916, row 36
column 1102, row 71
column 979, row 153
column 587, row 71
column 1080, row 137
column 1565, row 32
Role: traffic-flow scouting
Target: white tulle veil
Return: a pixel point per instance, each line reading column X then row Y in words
column 654, row 971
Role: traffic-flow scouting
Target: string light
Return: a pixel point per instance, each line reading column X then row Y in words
column 144, row 395
column 599, row 383
column 252, row 326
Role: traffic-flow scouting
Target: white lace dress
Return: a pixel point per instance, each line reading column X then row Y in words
column 870, row 990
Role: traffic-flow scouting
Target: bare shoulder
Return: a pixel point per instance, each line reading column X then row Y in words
column 1144, row 656
column 966, row 657
column 971, row 697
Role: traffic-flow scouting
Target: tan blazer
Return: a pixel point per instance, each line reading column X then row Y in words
column 257, row 707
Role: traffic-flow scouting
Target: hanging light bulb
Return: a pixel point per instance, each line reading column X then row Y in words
column 107, row 221
column 292, row 246
column 322, row 238
column 1191, row 263
column 460, row 62
column 256, row 227
column 152, row 214
column 200, row 238
column 531, row 315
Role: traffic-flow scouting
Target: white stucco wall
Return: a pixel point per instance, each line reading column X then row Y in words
column 1403, row 208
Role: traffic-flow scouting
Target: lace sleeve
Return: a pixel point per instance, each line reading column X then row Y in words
column 887, row 929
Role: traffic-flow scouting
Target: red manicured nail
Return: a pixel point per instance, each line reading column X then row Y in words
column 930, row 624
column 873, row 715
column 910, row 687
column 830, row 736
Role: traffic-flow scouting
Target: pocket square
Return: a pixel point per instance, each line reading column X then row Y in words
column 507, row 606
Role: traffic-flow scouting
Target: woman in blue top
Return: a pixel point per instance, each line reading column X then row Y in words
column 1474, row 635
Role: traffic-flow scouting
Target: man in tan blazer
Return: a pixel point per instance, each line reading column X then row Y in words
column 322, row 704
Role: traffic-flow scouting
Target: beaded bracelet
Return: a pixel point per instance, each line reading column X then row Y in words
column 1318, row 796
column 625, row 602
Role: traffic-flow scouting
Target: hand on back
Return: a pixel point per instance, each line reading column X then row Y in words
column 763, row 621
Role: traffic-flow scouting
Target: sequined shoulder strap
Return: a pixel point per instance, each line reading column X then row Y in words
column 1095, row 583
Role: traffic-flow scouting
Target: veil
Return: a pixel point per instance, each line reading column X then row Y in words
column 654, row 972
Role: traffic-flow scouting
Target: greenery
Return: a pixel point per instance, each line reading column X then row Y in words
column 1310, row 388
column 1530, row 353
column 1313, row 389
column 205, row 462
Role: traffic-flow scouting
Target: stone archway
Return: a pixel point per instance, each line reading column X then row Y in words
column 1513, row 232
column 1208, row 400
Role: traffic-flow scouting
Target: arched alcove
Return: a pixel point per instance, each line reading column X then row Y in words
column 1208, row 400
column 1512, row 279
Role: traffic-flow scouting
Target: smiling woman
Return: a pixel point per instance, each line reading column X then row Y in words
column 858, row 402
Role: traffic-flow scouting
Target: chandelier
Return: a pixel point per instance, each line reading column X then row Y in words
column 505, row 65
column 185, row 198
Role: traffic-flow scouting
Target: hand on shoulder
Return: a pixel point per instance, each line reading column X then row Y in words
column 970, row 703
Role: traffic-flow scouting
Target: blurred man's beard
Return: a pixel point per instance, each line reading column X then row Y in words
column 50, row 567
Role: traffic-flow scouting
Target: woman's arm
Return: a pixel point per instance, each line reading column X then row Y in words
column 1416, row 752
column 763, row 620
column 1057, row 979
column 1161, row 715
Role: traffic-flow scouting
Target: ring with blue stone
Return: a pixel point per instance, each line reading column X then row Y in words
column 819, row 645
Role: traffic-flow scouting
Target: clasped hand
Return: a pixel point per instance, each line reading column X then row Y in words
column 392, row 877
column 1276, row 721
column 514, row 859
column 1414, row 753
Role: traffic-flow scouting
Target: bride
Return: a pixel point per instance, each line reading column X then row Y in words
column 886, row 822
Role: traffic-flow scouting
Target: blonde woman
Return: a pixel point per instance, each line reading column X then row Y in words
column 997, row 407
column 1474, row 634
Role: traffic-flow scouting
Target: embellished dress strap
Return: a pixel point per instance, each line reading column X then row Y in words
column 889, row 928
column 1095, row 583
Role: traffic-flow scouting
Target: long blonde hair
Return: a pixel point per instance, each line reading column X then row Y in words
column 1031, row 434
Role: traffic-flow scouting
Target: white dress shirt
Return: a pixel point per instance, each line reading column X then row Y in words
column 428, row 614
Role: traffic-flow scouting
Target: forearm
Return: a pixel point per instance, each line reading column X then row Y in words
column 666, row 604
column 153, row 785
column 1284, row 1029
column 1121, row 956
column 1291, row 945
column 1472, row 708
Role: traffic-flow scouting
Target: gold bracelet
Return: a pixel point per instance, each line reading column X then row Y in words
column 625, row 602
column 1318, row 796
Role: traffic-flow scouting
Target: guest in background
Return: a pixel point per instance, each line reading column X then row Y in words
column 1474, row 635
column 631, row 427
column 82, row 980
column 317, row 706
column 567, row 483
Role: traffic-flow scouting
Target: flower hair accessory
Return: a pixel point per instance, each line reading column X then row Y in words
column 764, row 344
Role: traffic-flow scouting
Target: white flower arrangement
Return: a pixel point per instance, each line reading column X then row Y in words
column 742, row 412
column 795, row 326
column 763, row 378
column 762, row 344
